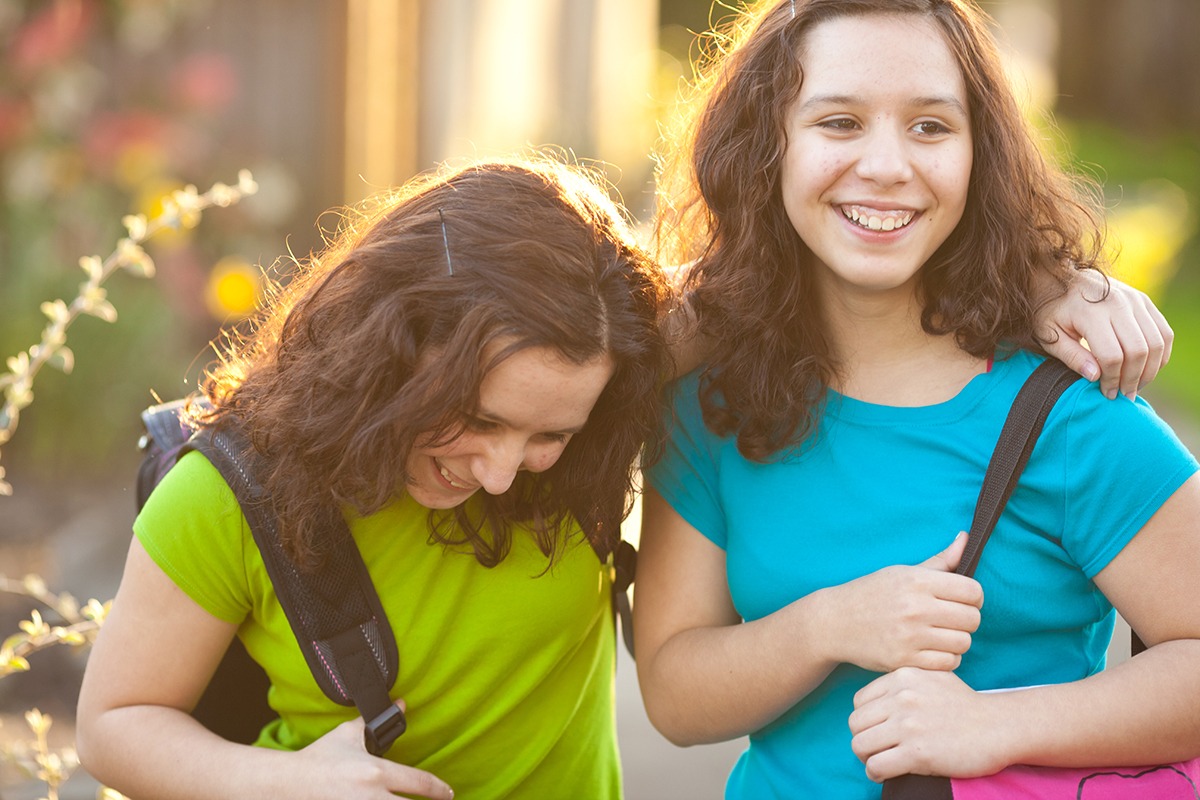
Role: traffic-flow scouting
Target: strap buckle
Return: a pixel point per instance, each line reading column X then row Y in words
column 383, row 731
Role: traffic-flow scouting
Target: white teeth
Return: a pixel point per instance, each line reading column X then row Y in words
column 876, row 222
column 449, row 479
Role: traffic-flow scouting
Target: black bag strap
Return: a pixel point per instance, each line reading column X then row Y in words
column 1039, row 394
column 624, row 568
column 1017, row 438
column 334, row 610
column 1021, row 429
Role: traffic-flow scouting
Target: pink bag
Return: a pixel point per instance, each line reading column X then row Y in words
column 1178, row 781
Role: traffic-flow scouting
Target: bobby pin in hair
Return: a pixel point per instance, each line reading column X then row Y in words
column 446, row 243
column 793, row 9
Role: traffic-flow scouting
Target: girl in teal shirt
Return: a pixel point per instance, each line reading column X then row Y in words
column 875, row 228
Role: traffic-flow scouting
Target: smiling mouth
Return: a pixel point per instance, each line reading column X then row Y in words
column 449, row 476
column 874, row 219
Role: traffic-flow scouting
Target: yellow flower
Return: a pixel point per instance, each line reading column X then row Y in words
column 234, row 288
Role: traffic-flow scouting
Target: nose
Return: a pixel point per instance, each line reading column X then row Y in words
column 885, row 159
column 497, row 466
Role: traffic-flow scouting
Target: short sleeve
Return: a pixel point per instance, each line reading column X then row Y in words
column 1121, row 462
column 194, row 530
column 687, row 475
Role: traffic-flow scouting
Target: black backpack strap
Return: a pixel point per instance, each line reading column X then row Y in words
column 624, row 568
column 334, row 610
column 167, row 431
column 1021, row 430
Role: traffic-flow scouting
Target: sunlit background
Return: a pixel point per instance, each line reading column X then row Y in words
column 107, row 105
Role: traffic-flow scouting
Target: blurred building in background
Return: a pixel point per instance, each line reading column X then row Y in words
column 354, row 96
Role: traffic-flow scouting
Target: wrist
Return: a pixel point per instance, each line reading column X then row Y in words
column 817, row 628
column 1010, row 716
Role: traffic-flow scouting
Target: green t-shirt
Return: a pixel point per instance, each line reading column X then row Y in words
column 507, row 672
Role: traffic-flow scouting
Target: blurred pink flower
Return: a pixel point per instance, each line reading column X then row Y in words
column 205, row 82
column 14, row 120
column 52, row 34
column 112, row 133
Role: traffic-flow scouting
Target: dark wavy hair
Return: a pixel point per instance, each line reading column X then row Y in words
column 751, row 285
column 374, row 344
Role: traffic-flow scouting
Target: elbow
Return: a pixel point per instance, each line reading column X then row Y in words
column 87, row 749
column 91, row 745
column 87, row 743
column 673, row 717
column 673, row 732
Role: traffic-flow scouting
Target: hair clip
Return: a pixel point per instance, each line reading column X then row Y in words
column 793, row 9
column 446, row 242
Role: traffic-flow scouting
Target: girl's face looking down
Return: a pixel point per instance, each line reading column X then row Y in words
column 530, row 405
column 879, row 151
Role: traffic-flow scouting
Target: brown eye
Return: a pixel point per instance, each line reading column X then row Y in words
column 929, row 128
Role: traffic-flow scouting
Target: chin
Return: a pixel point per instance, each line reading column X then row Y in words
column 434, row 500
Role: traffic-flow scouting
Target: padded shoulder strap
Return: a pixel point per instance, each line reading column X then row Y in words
column 334, row 610
column 1021, row 430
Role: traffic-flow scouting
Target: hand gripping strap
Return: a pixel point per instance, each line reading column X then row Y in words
column 1021, row 429
column 334, row 609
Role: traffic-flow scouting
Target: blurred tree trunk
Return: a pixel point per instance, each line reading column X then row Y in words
column 1132, row 63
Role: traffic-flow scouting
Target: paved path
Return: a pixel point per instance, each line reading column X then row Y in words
column 655, row 769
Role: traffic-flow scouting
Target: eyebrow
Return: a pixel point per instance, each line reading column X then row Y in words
column 918, row 102
column 488, row 416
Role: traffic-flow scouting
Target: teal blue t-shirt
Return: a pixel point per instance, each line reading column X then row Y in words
column 880, row 485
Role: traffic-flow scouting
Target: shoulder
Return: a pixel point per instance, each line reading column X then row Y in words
column 192, row 485
column 683, row 393
column 193, row 528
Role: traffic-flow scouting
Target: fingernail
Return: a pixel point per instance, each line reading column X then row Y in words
column 1091, row 371
column 1111, row 394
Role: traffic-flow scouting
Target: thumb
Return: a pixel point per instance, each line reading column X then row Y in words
column 947, row 560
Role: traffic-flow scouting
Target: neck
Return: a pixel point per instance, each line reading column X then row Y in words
column 886, row 357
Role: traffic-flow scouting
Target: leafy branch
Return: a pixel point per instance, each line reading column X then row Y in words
column 181, row 209
column 78, row 626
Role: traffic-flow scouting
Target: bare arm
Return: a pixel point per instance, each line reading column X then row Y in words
column 155, row 655
column 1128, row 339
column 1143, row 711
column 691, row 642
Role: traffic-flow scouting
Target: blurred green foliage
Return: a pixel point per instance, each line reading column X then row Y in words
column 99, row 116
column 1161, row 170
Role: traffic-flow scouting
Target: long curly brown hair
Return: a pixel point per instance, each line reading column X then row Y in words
column 751, row 285
column 377, row 341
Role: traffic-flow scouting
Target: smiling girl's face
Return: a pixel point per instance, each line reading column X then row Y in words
column 879, row 150
column 530, row 406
